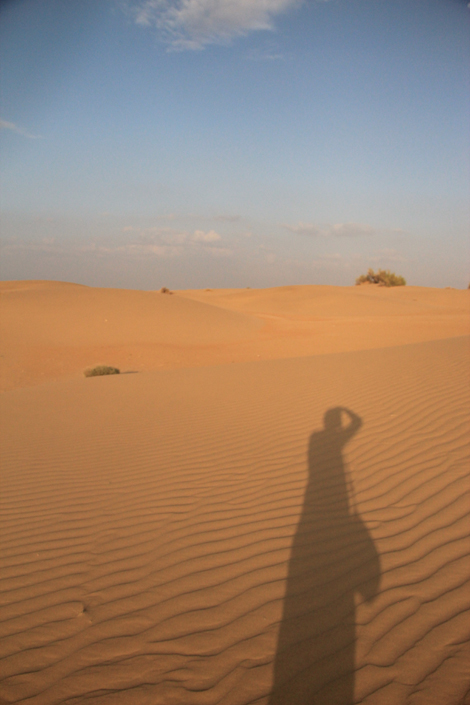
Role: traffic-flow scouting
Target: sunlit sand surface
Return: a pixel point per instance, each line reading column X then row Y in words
column 52, row 330
column 272, row 509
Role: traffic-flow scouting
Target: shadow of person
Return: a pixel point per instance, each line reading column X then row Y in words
column 333, row 558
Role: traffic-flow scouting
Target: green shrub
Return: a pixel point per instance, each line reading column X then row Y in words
column 101, row 370
column 383, row 278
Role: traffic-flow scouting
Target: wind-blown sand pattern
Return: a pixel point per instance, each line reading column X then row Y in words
column 222, row 533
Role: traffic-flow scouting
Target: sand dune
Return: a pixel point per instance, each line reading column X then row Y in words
column 223, row 533
column 52, row 330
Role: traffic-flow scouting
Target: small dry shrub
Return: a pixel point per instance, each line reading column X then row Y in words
column 164, row 290
column 101, row 370
column 383, row 278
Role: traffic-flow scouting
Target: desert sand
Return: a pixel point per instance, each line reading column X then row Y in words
column 272, row 508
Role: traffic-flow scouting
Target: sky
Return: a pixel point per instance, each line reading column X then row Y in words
column 234, row 143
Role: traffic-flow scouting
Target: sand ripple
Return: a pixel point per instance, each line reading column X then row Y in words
column 148, row 524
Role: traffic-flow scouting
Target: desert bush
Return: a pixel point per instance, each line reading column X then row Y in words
column 383, row 278
column 101, row 370
column 165, row 290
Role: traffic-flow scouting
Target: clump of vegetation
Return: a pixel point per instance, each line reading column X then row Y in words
column 383, row 278
column 101, row 370
column 164, row 290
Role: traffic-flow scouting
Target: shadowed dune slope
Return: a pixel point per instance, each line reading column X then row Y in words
column 356, row 301
column 51, row 330
column 162, row 534
column 70, row 314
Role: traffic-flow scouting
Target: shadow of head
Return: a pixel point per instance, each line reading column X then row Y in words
column 332, row 419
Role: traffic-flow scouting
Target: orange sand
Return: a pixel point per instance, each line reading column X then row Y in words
column 200, row 532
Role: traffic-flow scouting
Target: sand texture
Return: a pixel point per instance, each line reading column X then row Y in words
column 50, row 330
column 273, row 509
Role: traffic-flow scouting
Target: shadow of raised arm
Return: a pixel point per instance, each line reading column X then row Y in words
column 333, row 423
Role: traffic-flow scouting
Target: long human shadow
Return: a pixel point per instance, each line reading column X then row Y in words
column 333, row 558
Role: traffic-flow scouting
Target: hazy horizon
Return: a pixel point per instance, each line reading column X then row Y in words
column 199, row 144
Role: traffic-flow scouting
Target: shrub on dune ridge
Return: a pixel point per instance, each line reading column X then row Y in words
column 101, row 370
column 383, row 277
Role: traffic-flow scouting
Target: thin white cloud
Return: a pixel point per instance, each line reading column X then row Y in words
column 193, row 24
column 201, row 236
column 260, row 54
column 388, row 255
column 133, row 249
column 149, row 249
column 169, row 236
column 333, row 229
column 306, row 229
column 219, row 251
column 352, row 229
column 5, row 125
column 47, row 245
column 228, row 218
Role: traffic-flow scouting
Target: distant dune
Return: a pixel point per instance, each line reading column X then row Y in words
column 274, row 510
column 51, row 330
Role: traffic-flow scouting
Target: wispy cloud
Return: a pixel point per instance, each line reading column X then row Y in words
column 388, row 255
column 135, row 248
column 201, row 236
column 155, row 234
column 171, row 242
column 219, row 251
column 193, row 24
column 5, row 125
column 51, row 246
column 333, row 229
column 228, row 218
column 265, row 54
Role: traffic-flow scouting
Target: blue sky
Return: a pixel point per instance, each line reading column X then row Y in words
column 211, row 143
